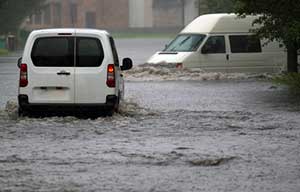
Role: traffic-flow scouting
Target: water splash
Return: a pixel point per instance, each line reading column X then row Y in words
column 150, row 72
column 127, row 108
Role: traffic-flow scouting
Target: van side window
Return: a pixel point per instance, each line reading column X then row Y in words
column 114, row 51
column 53, row 52
column 89, row 52
column 214, row 44
column 244, row 44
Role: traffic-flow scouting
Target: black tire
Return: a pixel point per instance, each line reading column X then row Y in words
column 117, row 105
column 22, row 112
column 110, row 112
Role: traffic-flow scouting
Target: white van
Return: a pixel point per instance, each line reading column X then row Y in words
column 223, row 43
column 72, row 69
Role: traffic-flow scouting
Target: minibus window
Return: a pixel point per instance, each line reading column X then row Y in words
column 244, row 44
column 185, row 43
column 89, row 52
column 53, row 52
column 214, row 44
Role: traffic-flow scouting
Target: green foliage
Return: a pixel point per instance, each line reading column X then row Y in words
column 13, row 13
column 3, row 52
column 290, row 79
column 216, row 6
column 279, row 20
column 22, row 37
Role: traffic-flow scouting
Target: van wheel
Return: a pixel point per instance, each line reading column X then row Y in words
column 109, row 112
column 117, row 105
column 22, row 112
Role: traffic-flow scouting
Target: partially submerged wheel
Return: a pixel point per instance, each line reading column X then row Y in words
column 22, row 112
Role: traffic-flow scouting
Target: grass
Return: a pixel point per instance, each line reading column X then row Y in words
column 292, row 80
column 3, row 52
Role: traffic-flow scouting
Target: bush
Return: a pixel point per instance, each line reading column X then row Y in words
column 3, row 52
column 290, row 79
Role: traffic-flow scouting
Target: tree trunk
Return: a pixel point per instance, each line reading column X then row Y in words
column 292, row 64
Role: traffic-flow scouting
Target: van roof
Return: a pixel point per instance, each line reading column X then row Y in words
column 220, row 23
column 69, row 30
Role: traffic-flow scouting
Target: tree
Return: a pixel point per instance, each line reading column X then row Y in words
column 13, row 13
column 279, row 20
column 215, row 6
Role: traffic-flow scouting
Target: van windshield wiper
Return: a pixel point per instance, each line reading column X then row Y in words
column 183, row 41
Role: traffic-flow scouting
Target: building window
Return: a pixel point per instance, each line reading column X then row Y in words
column 57, row 14
column 73, row 12
column 47, row 15
column 244, row 44
column 90, row 19
column 31, row 19
column 166, row 3
column 38, row 18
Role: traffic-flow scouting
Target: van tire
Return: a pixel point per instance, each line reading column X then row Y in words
column 22, row 112
column 117, row 105
column 109, row 112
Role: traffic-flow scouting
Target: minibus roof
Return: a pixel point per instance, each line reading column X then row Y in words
column 220, row 23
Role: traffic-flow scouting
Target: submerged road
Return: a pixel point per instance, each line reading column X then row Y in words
column 220, row 135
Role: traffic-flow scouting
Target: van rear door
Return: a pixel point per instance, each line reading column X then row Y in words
column 90, row 70
column 51, row 69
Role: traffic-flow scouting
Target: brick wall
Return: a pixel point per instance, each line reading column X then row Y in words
column 169, row 17
column 167, row 13
column 107, row 14
column 113, row 14
column 89, row 13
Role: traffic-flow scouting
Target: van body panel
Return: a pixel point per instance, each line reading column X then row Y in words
column 46, row 86
column 90, row 82
column 176, row 57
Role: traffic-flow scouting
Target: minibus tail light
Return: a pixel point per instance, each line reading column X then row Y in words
column 111, row 79
column 23, row 75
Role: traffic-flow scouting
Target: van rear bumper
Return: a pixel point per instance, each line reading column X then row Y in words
column 111, row 101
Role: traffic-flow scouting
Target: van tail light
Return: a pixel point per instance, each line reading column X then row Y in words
column 23, row 75
column 111, row 79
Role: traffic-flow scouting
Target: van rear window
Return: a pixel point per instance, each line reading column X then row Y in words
column 53, row 52
column 89, row 52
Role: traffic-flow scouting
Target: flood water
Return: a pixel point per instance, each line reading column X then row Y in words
column 176, row 131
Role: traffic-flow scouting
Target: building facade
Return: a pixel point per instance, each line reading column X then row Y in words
column 121, row 14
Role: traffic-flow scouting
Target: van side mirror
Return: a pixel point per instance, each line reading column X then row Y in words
column 19, row 62
column 127, row 64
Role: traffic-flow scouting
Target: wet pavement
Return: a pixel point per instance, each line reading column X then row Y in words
column 171, row 134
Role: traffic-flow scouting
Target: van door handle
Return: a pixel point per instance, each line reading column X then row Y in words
column 63, row 73
column 227, row 57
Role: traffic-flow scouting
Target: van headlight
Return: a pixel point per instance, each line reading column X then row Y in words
column 175, row 65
